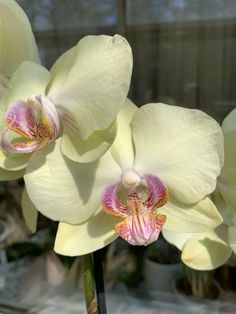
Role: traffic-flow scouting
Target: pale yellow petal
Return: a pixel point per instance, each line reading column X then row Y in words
column 13, row 162
column 88, row 150
column 30, row 79
column 177, row 238
column 122, row 149
column 90, row 82
column 64, row 190
column 232, row 236
column 208, row 250
column 16, row 38
column 198, row 217
column 230, row 150
column 226, row 185
column 229, row 123
column 29, row 211
column 94, row 234
column 183, row 147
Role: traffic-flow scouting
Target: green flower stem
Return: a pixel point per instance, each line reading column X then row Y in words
column 91, row 303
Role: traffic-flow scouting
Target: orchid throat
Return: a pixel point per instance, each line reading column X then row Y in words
column 136, row 199
column 30, row 125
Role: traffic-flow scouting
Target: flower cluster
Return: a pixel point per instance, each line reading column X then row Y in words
column 90, row 158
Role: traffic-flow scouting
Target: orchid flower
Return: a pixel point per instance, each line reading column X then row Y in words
column 211, row 249
column 77, row 101
column 156, row 175
column 17, row 44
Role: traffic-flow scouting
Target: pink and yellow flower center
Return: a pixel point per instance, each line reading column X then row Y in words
column 30, row 125
column 136, row 199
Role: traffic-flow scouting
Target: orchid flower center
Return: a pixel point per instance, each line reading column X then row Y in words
column 30, row 126
column 136, row 200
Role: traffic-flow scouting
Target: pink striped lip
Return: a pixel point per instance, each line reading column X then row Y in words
column 140, row 224
column 32, row 123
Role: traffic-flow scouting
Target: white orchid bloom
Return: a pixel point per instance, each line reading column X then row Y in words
column 78, row 101
column 211, row 249
column 163, row 163
column 17, row 44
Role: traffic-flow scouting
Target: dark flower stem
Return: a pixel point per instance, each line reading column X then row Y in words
column 99, row 282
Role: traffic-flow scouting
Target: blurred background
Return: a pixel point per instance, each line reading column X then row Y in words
column 183, row 49
column 184, row 54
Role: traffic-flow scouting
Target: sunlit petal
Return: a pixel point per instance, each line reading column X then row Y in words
column 65, row 190
column 29, row 80
column 226, row 185
column 198, row 217
column 183, row 147
column 92, row 89
column 122, row 149
column 13, row 162
column 94, row 234
column 208, row 250
column 16, row 38
column 230, row 149
column 177, row 238
column 90, row 149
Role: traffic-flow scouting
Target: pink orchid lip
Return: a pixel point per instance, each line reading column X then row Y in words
column 36, row 121
column 140, row 224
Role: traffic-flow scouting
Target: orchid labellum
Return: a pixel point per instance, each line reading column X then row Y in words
column 211, row 249
column 156, row 175
column 77, row 101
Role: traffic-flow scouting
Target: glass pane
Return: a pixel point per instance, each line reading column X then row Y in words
column 69, row 14
column 188, row 61
column 158, row 11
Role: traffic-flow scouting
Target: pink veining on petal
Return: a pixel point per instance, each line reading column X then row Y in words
column 20, row 119
column 50, row 117
column 141, row 229
column 111, row 204
column 140, row 225
column 157, row 192
column 35, row 121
